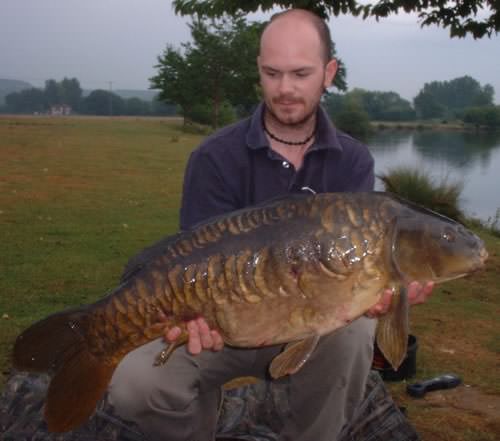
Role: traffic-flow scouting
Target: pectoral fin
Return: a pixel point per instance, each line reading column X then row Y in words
column 162, row 357
column 392, row 330
column 293, row 357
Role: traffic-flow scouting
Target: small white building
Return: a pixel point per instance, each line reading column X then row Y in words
column 60, row 110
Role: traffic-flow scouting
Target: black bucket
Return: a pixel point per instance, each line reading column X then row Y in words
column 407, row 369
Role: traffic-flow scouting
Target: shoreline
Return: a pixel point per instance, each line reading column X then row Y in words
column 429, row 125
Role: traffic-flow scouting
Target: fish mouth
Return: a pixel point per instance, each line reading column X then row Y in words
column 478, row 266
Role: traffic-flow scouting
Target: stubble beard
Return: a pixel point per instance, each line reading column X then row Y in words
column 291, row 123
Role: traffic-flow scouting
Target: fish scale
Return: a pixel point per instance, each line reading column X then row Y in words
column 287, row 271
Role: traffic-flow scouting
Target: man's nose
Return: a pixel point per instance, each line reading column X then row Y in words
column 285, row 84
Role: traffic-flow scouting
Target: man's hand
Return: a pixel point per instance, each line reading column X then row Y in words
column 417, row 293
column 201, row 337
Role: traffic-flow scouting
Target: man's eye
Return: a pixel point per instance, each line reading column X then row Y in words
column 301, row 74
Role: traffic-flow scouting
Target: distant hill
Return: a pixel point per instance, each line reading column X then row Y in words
column 145, row 95
column 9, row 86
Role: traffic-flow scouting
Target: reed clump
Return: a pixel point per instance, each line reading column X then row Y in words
column 441, row 196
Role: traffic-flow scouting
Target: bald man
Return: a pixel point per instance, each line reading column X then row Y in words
column 287, row 146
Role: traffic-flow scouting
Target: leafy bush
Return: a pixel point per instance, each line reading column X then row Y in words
column 380, row 106
column 419, row 187
column 202, row 113
column 487, row 116
column 354, row 121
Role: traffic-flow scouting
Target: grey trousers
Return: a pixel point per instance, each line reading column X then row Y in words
column 179, row 401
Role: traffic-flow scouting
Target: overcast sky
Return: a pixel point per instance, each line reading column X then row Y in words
column 98, row 41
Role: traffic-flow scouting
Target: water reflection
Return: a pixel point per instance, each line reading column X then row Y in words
column 457, row 148
column 468, row 157
column 389, row 140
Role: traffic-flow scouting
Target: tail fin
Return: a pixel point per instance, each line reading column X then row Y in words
column 58, row 344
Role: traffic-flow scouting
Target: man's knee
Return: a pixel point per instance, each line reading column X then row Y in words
column 137, row 385
column 351, row 344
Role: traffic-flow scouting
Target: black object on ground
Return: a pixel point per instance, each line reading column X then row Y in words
column 446, row 381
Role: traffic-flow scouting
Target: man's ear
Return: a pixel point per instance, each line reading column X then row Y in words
column 330, row 72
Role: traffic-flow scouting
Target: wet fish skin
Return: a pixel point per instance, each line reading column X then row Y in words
column 287, row 271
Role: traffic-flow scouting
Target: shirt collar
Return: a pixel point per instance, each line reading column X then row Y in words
column 326, row 136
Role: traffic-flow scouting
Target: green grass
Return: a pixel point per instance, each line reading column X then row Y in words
column 79, row 196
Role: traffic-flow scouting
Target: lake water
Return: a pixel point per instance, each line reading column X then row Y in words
column 471, row 158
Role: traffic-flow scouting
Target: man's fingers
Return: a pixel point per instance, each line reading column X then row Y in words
column 418, row 293
column 218, row 342
column 173, row 334
column 382, row 306
column 194, row 342
column 200, row 337
column 204, row 333
column 428, row 288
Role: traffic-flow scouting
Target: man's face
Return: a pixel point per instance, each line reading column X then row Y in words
column 292, row 71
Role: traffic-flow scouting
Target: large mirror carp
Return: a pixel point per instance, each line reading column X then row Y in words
column 287, row 271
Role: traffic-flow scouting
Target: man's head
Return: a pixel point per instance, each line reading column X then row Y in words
column 295, row 65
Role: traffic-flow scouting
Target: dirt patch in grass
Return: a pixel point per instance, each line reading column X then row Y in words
column 466, row 398
column 460, row 414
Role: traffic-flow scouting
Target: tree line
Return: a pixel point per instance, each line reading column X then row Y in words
column 461, row 98
column 214, row 80
column 68, row 94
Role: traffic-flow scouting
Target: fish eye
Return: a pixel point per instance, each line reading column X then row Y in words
column 448, row 235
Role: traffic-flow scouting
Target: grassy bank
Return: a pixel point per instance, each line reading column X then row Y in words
column 79, row 196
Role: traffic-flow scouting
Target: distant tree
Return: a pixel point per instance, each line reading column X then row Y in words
column 333, row 103
column 461, row 17
column 102, row 102
column 214, row 68
column 427, row 105
column 26, row 101
column 11, row 86
column 353, row 119
column 160, row 108
column 136, row 106
column 384, row 106
column 52, row 92
column 67, row 91
column 445, row 98
column 202, row 113
column 218, row 66
column 175, row 80
column 380, row 106
column 486, row 116
column 70, row 92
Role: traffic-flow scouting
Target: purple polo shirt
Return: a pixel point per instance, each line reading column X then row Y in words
column 235, row 167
